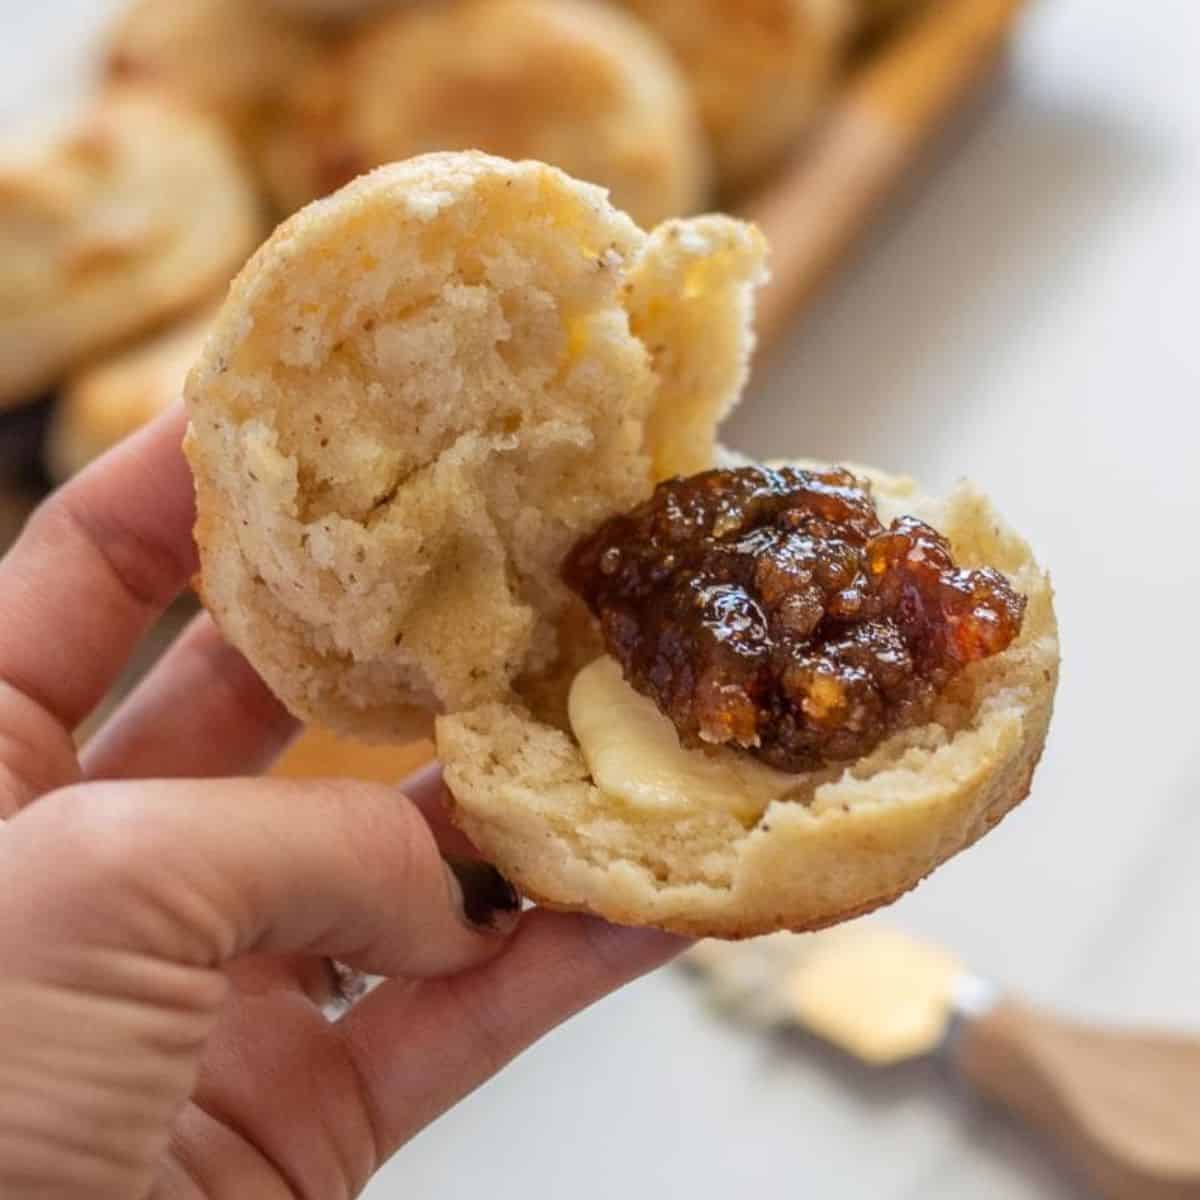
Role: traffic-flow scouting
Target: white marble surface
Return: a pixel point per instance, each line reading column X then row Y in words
column 1029, row 318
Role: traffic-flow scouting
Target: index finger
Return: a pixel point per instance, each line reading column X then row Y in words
column 94, row 567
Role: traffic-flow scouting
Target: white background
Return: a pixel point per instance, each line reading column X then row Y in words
column 1028, row 316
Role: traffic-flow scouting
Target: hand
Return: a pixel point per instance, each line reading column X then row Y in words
column 164, row 931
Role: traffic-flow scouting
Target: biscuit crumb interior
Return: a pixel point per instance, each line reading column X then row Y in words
column 421, row 393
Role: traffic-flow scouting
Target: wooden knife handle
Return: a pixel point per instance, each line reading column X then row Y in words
column 1124, row 1104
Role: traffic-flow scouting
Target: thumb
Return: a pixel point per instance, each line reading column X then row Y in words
column 123, row 900
column 197, row 873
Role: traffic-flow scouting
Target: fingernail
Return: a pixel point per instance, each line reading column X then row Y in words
column 488, row 901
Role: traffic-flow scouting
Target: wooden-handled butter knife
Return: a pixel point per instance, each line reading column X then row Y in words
column 1124, row 1104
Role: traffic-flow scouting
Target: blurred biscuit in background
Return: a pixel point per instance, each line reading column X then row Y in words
column 318, row 754
column 338, row 10
column 232, row 58
column 572, row 83
column 107, row 400
column 761, row 70
column 136, row 216
column 875, row 14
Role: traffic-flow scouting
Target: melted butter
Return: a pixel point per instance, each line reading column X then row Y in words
column 634, row 755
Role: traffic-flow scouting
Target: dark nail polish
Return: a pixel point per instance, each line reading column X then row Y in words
column 489, row 901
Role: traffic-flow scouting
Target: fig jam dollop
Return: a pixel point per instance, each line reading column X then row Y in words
column 772, row 610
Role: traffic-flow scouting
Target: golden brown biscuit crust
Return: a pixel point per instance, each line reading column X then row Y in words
column 760, row 70
column 138, row 215
column 566, row 82
column 332, row 10
column 230, row 58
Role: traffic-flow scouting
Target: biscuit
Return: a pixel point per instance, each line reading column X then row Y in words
column 877, row 14
column 107, row 400
column 335, row 10
column 567, row 82
column 231, row 58
column 138, row 215
column 761, row 70
column 420, row 392
column 844, row 842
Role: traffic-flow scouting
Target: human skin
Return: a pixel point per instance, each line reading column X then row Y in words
column 168, row 919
